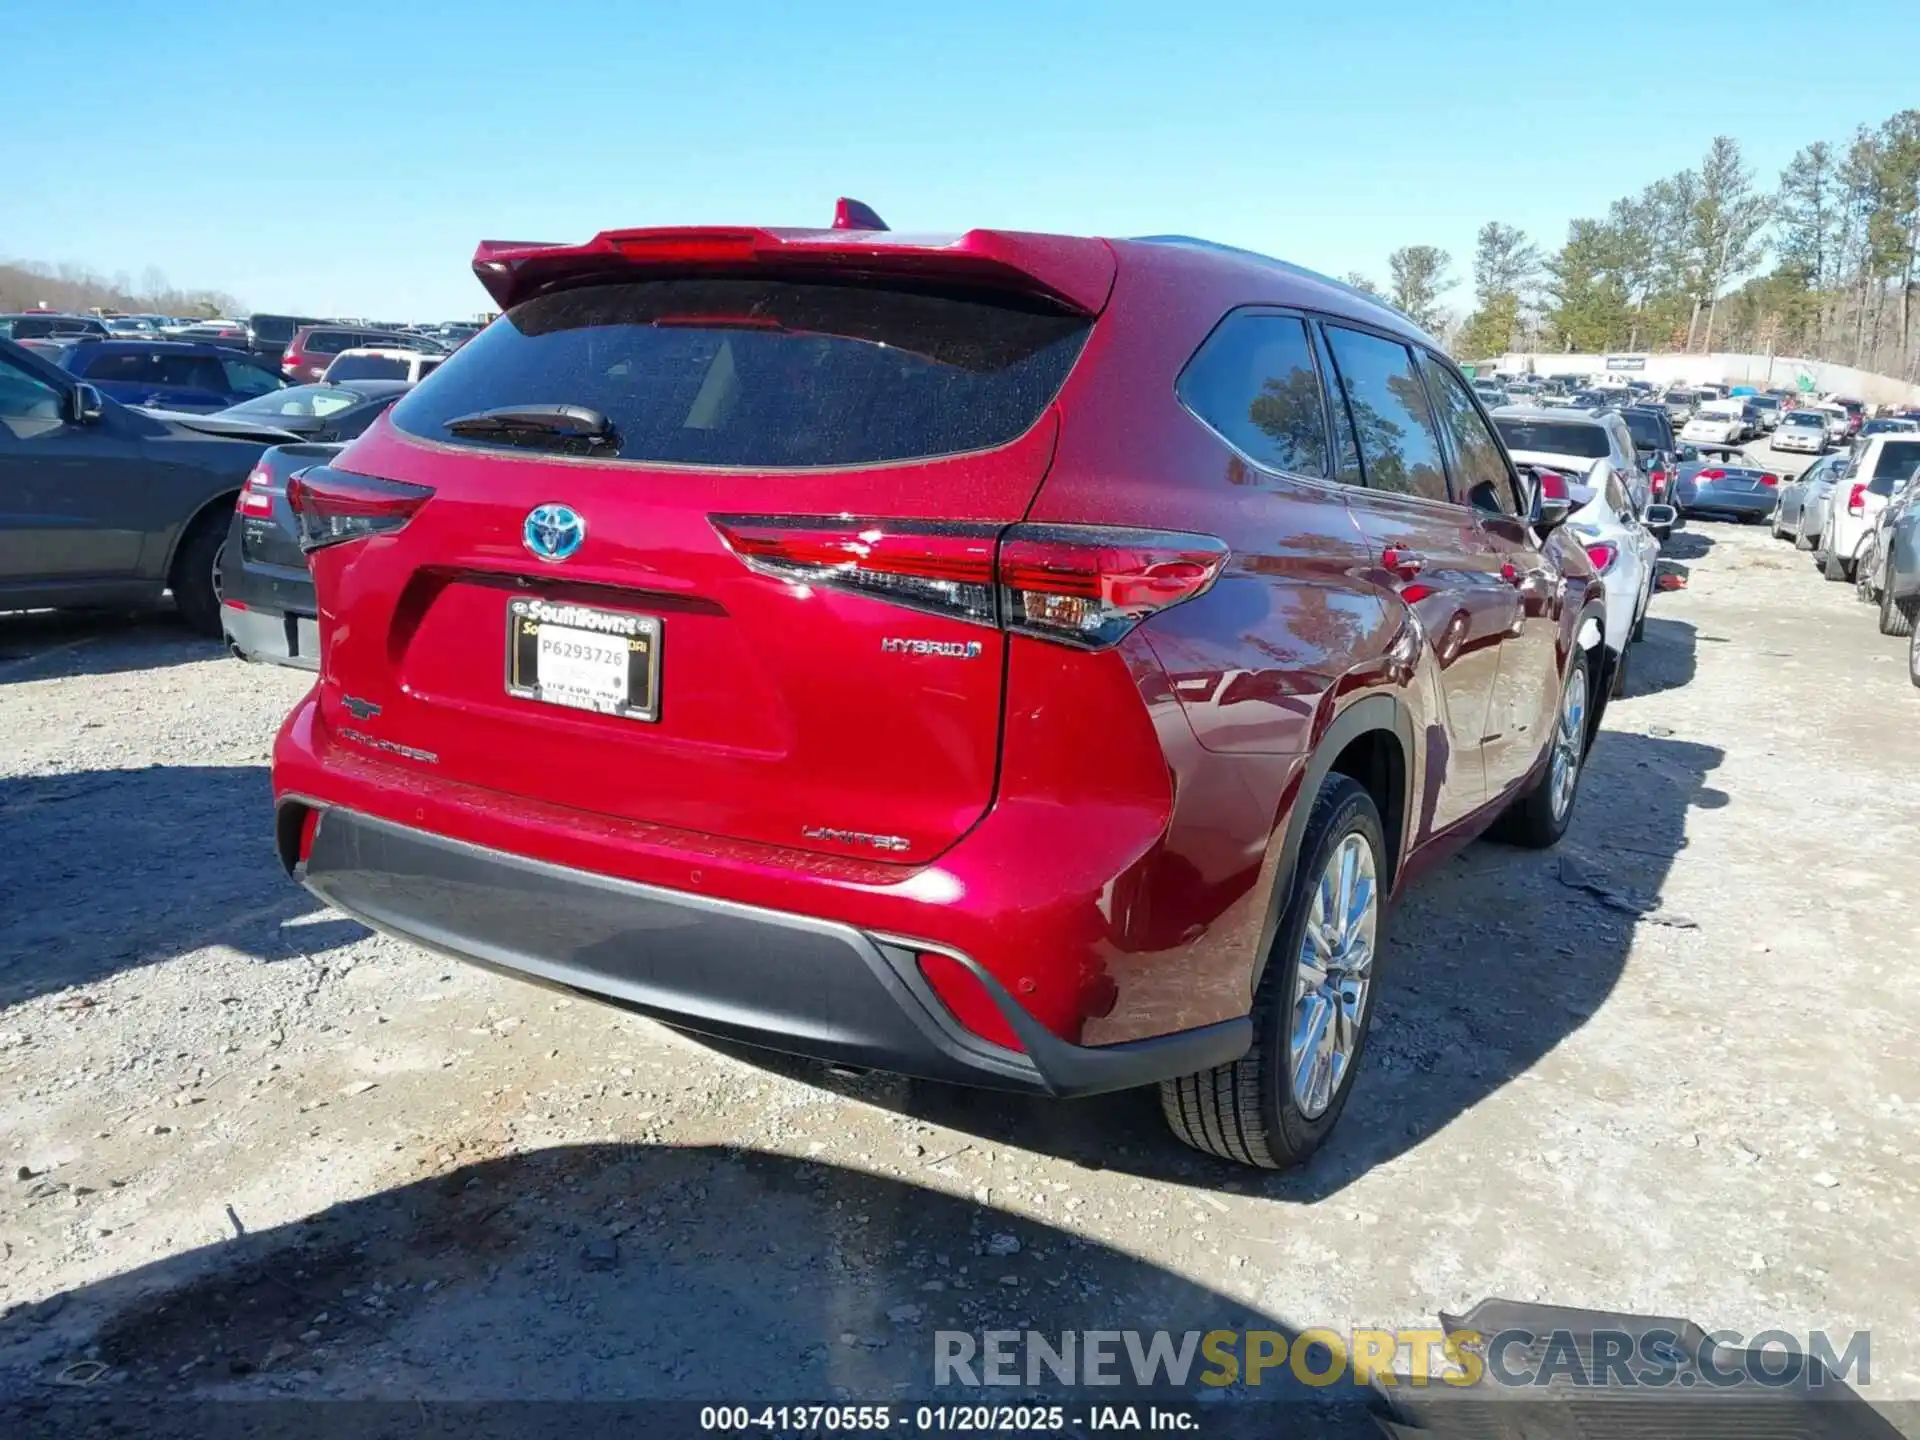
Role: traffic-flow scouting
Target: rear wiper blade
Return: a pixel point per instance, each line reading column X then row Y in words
column 572, row 427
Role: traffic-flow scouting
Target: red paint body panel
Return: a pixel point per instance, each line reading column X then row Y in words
column 1103, row 831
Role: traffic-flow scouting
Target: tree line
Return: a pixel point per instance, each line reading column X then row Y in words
column 1825, row 264
column 27, row 285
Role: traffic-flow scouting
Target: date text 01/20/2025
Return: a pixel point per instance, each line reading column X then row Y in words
column 939, row 1419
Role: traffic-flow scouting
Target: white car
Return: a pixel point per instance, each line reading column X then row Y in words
column 1801, row 430
column 1612, row 528
column 1579, row 444
column 380, row 362
column 1712, row 429
column 1858, row 496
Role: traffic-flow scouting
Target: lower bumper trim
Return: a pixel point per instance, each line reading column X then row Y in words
column 782, row 981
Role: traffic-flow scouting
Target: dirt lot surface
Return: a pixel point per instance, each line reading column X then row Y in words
column 251, row 1149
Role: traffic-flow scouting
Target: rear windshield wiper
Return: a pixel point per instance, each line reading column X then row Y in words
column 560, row 427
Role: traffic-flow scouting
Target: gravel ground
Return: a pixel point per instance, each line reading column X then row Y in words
column 251, row 1149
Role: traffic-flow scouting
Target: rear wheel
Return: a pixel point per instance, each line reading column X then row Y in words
column 1801, row 539
column 1913, row 657
column 196, row 580
column 1538, row 818
column 1276, row 1105
column 1620, row 672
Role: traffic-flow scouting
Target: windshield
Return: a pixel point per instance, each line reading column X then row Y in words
column 765, row 374
column 316, row 401
column 1553, row 437
column 1804, row 418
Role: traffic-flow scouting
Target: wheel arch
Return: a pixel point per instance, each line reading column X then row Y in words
column 1372, row 741
column 216, row 509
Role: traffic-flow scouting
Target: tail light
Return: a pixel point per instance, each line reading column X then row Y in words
column 1709, row 475
column 962, row 993
column 335, row 506
column 1857, row 499
column 1769, row 479
column 1553, row 485
column 1602, row 555
column 1085, row 586
column 256, row 496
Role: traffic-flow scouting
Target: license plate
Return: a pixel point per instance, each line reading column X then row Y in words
column 606, row 661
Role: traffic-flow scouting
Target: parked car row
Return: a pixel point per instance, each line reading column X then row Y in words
column 1858, row 512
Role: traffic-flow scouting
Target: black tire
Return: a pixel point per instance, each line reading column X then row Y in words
column 1897, row 616
column 1802, row 540
column 1620, row 671
column 1834, row 568
column 1913, row 658
column 1639, row 631
column 1531, row 821
column 195, row 580
column 1247, row 1111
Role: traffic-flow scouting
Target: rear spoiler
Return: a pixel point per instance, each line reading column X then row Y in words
column 1070, row 271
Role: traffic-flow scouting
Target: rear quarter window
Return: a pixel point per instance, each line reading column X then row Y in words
column 1897, row 461
column 757, row 373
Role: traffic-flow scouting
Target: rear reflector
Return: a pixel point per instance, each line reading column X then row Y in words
column 335, row 505
column 1081, row 585
column 962, row 993
column 309, row 824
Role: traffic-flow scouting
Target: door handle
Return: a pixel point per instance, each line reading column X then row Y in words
column 1402, row 562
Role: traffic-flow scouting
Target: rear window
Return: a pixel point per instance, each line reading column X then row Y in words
column 1588, row 442
column 300, row 400
column 766, row 374
column 1646, row 431
column 367, row 367
column 1897, row 461
column 274, row 329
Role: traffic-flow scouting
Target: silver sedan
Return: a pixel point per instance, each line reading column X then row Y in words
column 1803, row 502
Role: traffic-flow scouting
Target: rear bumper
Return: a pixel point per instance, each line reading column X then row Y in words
column 278, row 639
column 784, row 981
column 1730, row 502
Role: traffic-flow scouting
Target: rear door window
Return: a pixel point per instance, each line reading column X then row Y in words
column 1254, row 382
column 766, row 374
column 1399, row 444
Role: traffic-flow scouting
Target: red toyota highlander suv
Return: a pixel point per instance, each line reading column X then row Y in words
column 1026, row 661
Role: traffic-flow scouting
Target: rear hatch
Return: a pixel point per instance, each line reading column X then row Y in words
column 607, row 628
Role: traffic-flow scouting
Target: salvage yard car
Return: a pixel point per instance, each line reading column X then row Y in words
column 1802, row 430
column 267, row 609
column 1881, row 467
column 719, row 632
column 105, row 504
column 1740, row 492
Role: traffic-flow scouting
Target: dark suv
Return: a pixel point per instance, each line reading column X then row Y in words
column 1020, row 660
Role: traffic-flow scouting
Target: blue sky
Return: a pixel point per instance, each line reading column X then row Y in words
column 343, row 158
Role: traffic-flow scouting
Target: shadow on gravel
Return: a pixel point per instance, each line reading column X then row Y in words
column 105, row 870
column 44, row 644
column 599, row 1272
column 1664, row 660
column 1491, row 962
column 1689, row 544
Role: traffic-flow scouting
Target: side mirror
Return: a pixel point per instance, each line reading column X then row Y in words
column 85, row 404
column 1660, row 520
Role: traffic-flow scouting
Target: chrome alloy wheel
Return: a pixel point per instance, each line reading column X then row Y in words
column 1568, row 738
column 1335, row 970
